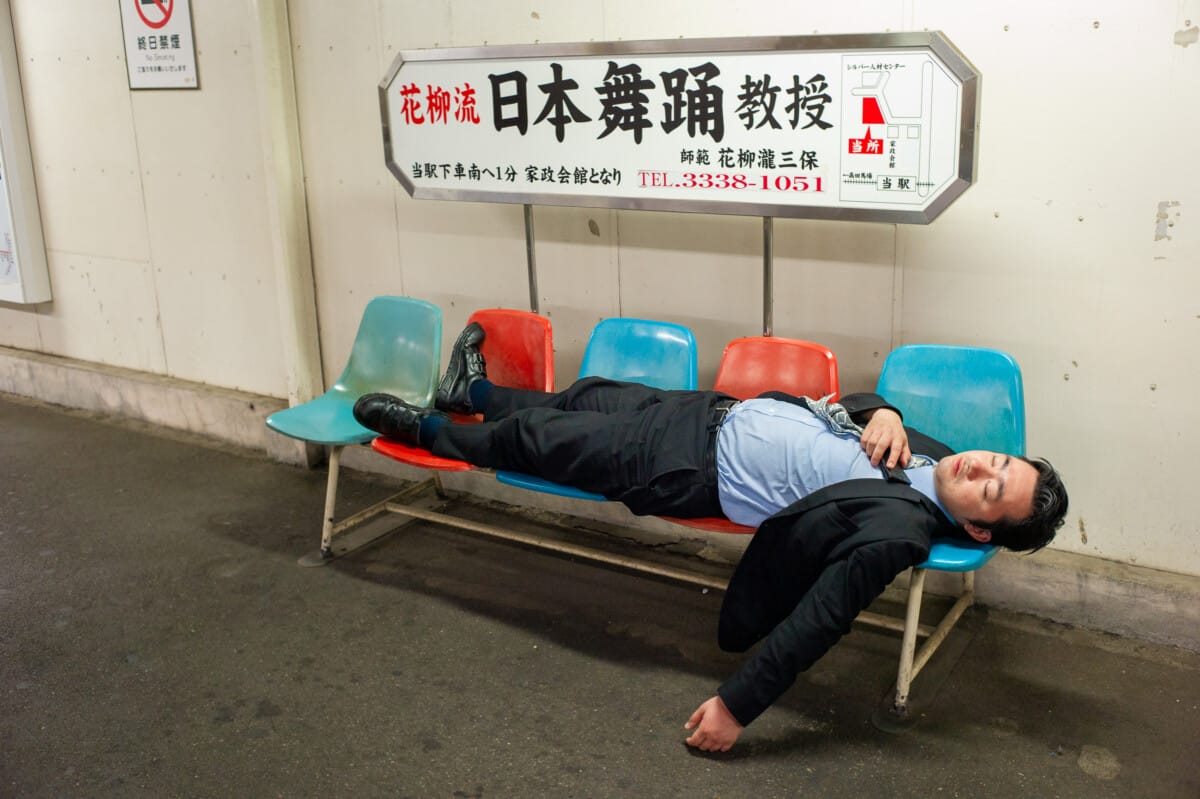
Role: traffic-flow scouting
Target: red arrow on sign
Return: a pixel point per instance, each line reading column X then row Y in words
column 165, row 7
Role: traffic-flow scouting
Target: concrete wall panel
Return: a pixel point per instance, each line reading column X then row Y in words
column 1075, row 250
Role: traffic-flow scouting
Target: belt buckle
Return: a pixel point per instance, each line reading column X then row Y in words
column 719, row 412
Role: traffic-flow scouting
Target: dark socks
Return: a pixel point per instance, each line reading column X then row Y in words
column 428, row 429
column 479, row 393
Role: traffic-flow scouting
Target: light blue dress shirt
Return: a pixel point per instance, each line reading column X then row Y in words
column 772, row 453
column 922, row 480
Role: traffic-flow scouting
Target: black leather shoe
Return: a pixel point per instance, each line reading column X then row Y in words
column 392, row 417
column 465, row 367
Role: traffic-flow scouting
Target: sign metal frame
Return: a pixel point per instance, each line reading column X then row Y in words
column 933, row 42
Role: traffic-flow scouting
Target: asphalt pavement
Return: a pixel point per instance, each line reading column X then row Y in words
column 159, row 639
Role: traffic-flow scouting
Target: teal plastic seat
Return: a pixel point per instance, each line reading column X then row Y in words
column 396, row 350
column 528, row 481
column 658, row 354
column 968, row 398
column 951, row 555
column 965, row 397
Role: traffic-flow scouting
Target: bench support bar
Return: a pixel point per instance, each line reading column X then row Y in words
column 912, row 660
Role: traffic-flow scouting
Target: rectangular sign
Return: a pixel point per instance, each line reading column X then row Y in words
column 9, row 276
column 159, row 50
column 24, row 272
column 878, row 127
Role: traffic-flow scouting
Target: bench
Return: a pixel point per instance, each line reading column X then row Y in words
column 970, row 398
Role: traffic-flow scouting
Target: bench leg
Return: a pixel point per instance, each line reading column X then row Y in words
column 908, row 646
column 335, row 458
column 912, row 661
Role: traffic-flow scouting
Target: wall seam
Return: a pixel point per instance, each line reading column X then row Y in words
column 897, row 288
column 150, row 262
column 616, row 215
column 386, row 56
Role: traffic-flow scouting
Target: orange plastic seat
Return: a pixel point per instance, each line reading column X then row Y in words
column 752, row 365
column 712, row 524
column 416, row 456
column 749, row 366
column 519, row 351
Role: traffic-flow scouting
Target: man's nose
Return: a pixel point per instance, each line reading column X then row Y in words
column 981, row 468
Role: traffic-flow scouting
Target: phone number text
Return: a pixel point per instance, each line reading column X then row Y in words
column 649, row 179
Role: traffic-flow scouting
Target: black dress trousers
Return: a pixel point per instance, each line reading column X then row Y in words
column 641, row 446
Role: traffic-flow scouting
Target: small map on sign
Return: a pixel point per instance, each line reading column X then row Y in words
column 889, row 105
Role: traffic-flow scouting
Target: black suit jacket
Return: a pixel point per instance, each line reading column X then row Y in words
column 812, row 567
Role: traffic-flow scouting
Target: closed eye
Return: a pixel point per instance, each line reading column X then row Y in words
column 997, row 486
column 1003, row 478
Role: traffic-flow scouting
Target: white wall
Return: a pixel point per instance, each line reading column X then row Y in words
column 159, row 249
column 152, row 202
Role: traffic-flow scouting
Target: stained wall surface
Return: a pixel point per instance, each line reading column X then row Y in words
column 1073, row 251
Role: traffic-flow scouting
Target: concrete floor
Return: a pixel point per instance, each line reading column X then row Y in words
column 158, row 639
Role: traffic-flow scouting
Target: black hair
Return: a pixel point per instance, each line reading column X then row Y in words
column 1049, row 509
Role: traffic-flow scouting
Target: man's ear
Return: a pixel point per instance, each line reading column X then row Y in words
column 980, row 534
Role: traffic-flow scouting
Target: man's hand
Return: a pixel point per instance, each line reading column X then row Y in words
column 717, row 729
column 884, row 434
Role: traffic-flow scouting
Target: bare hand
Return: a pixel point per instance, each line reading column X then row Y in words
column 717, row 729
column 884, row 434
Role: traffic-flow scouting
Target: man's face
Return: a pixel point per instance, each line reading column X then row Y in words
column 980, row 488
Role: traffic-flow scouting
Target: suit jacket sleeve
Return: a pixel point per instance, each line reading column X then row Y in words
column 822, row 617
column 855, row 404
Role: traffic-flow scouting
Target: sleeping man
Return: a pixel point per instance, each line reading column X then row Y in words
column 844, row 497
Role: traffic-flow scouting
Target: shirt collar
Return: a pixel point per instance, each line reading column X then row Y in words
column 921, row 478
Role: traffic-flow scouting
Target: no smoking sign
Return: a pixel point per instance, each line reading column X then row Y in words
column 159, row 49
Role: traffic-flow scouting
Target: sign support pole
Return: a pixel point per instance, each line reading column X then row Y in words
column 768, row 274
column 530, row 259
